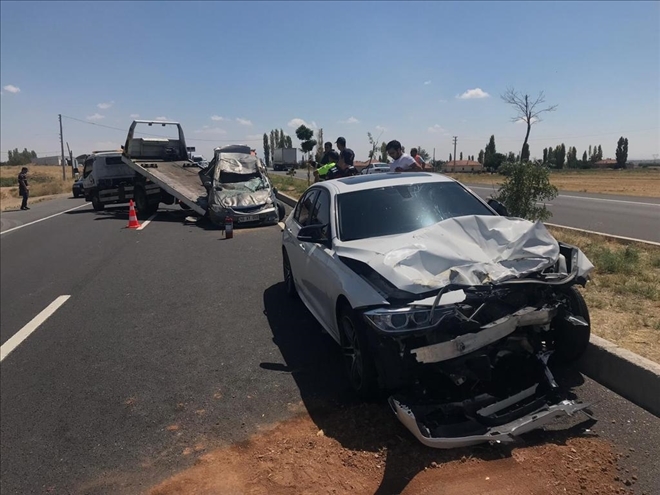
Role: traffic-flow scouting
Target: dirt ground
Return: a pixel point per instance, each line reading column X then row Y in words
column 45, row 183
column 296, row 457
column 639, row 182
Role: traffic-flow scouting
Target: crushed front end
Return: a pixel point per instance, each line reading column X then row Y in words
column 469, row 364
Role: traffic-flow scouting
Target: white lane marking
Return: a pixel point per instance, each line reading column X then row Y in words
column 603, row 234
column 42, row 219
column 25, row 332
column 147, row 221
column 584, row 197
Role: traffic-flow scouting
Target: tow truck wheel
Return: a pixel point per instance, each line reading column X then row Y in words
column 358, row 361
column 96, row 203
column 572, row 341
column 144, row 209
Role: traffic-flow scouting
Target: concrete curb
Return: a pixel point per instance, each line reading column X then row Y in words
column 622, row 371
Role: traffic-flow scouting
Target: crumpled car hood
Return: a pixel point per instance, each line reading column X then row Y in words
column 240, row 196
column 469, row 250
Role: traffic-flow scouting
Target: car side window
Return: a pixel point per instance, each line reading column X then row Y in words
column 89, row 163
column 321, row 213
column 304, row 208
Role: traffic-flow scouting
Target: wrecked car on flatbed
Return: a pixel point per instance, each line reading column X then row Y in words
column 454, row 310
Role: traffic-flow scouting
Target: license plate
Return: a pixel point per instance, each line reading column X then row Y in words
column 248, row 218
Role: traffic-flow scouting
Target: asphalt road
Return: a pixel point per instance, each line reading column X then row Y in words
column 175, row 338
column 626, row 216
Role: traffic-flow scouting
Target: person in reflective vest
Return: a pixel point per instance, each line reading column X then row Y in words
column 322, row 172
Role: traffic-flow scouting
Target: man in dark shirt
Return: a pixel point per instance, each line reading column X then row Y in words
column 341, row 170
column 327, row 149
column 344, row 152
column 23, row 188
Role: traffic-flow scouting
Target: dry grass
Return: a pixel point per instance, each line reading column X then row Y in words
column 639, row 182
column 624, row 292
column 44, row 181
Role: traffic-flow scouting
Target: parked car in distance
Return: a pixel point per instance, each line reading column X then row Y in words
column 375, row 168
column 77, row 188
column 452, row 308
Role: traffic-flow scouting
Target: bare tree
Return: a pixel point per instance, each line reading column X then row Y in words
column 527, row 110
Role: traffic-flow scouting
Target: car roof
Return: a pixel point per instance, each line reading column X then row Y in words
column 373, row 181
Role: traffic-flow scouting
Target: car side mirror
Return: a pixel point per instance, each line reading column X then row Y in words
column 314, row 233
column 499, row 208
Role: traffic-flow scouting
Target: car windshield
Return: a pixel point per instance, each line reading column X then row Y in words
column 399, row 209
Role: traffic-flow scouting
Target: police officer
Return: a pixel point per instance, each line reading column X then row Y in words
column 341, row 170
column 332, row 159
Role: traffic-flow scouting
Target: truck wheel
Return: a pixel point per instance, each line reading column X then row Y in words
column 141, row 203
column 96, row 203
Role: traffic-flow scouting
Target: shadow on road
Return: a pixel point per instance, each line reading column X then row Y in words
column 314, row 361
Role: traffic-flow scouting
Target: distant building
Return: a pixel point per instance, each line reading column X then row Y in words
column 47, row 160
column 462, row 166
column 608, row 163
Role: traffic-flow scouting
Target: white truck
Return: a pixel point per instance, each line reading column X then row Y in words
column 284, row 158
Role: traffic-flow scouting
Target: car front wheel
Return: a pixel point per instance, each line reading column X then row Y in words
column 572, row 341
column 358, row 361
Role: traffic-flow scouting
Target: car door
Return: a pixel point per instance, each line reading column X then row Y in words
column 88, row 176
column 295, row 249
column 321, row 281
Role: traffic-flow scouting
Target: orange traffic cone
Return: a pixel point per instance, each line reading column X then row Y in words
column 132, row 217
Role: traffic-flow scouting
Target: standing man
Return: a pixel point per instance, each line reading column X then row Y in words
column 345, row 153
column 417, row 158
column 327, row 149
column 403, row 162
column 23, row 188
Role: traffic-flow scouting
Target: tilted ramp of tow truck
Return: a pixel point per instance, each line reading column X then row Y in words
column 180, row 178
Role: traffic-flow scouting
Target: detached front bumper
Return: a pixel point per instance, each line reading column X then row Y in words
column 504, row 433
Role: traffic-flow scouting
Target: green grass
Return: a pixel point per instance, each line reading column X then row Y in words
column 622, row 261
column 289, row 186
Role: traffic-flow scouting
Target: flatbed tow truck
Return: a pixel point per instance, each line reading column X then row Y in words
column 164, row 161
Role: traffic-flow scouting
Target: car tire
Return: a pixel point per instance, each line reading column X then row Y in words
column 96, row 203
column 572, row 342
column 281, row 212
column 76, row 195
column 358, row 361
column 289, row 282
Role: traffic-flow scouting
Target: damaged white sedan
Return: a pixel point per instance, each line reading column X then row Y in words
column 436, row 298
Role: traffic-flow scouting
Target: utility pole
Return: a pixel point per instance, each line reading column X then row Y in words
column 433, row 158
column 62, row 146
column 455, row 141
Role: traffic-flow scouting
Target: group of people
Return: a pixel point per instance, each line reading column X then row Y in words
column 335, row 165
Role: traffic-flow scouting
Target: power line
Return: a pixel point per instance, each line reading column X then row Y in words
column 157, row 135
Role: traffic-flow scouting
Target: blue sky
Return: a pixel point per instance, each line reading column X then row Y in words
column 346, row 67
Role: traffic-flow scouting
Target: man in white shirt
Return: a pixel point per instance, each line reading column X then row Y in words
column 403, row 162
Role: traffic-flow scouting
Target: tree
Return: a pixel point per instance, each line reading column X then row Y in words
column 585, row 158
column 288, row 143
column 622, row 152
column 424, row 154
column 480, row 158
column 461, row 156
column 525, row 189
column 272, row 144
column 305, row 135
column 589, row 151
column 489, row 153
column 450, row 157
column 524, row 156
column 510, row 157
column 266, row 150
column 560, row 155
column 374, row 146
column 545, row 156
column 600, row 152
column 526, row 109
column 384, row 158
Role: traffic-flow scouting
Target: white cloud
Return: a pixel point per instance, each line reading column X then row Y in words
column 297, row 122
column 160, row 118
column 435, row 129
column 350, row 120
column 134, row 115
column 12, row 89
column 473, row 94
column 244, row 121
column 313, row 125
column 426, row 83
column 96, row 116
column 217, row 118
column 105, row 106
column 210, row 130
column 442, row 101
column 381, row 128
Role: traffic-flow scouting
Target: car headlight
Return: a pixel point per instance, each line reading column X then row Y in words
column 269, row 200
column 395, row 320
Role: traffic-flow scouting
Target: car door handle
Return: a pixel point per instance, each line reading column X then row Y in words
column 302, row 246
